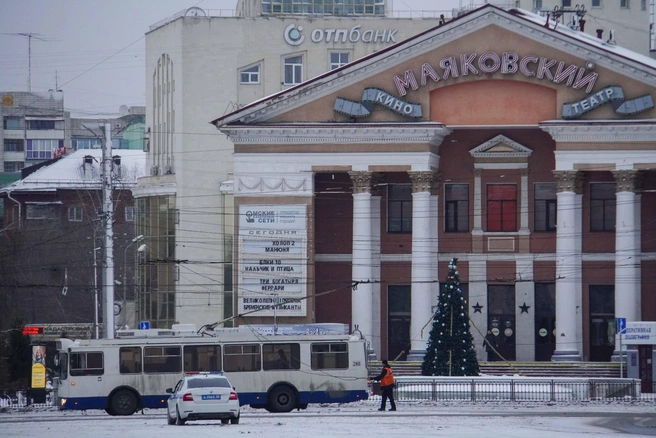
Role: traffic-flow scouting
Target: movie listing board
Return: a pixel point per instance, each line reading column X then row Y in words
column 272, row 260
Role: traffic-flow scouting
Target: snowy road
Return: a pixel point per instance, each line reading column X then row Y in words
column 358, row 420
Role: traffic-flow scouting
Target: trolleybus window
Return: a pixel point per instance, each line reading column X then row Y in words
column 162, row 359
column 130, row 360
column 281, row 356
column 63, row 366
column 87, row 364
column 330, row 355
column 241, row 358
column 202, row 358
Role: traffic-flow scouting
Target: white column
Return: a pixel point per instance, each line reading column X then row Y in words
column 423, row 272
column 627, row 263
column 478, row 224
column 568, row 270
column 523, row 209
column 376, row 270
column 362, row 296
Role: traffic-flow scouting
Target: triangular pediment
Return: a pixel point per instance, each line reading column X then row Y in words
column 500, row 147
column 507, row 31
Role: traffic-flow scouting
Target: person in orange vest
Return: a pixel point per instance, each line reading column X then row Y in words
column 386, row 378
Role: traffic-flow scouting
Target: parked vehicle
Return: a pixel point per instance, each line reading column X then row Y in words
column 203, row 396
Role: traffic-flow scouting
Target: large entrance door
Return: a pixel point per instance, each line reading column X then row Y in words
column 602, row 323
column 545, row 321
column 501, row 319
column 398, row 322
column 645, row 368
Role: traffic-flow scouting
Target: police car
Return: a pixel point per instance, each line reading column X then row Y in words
column 203, row 396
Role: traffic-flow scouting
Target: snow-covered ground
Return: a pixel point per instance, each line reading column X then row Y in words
column 412, row 419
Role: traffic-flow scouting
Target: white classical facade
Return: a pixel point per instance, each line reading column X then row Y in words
column 529, row 160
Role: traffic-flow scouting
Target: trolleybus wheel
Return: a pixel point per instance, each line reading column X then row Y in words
column 124, row 402
column 282, row 399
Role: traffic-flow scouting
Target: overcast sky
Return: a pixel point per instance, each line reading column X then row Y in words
column 94, row 49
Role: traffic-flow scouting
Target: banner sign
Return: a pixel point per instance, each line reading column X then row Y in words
column 613, row 95
column 272, row 260
column 380, row 97
column 38, row 366
column 640, row 332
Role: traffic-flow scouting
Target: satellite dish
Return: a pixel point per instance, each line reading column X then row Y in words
column 123, row 110
column 195, row 12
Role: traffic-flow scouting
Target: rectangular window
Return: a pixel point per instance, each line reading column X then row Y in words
column 602, row 207
column 45, row 124
column 501, row 208
column 41, row 149
column 326, row 356
column 250, row 75
column 87, row 364
column 281, row 356
column 624, row 4
column 456, row 208
column 338, row 59
column 643, row 4
column 162, row 359
column 293, row 70
column 245, row 357
column 86, row 143
column 399, row 208
column 75, row 213
column 566, row 3
column 13, row 145
column 545, row 206
column 202, row 358
column 41, row 212
column 324, row 7
column 13, row 166
column 596, row 3
column 129, row 214
column 130, row 360
column 63, row 366
column 11, row 123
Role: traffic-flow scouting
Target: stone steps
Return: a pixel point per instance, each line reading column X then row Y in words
column 527, row 369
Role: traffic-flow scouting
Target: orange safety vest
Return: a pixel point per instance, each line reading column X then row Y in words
column 388, row 379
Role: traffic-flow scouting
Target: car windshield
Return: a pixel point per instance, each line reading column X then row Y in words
column 210, row 382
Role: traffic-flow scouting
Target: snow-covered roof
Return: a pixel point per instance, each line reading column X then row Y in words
column 81, row 170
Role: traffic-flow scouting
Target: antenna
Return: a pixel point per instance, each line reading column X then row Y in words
column 29, row 36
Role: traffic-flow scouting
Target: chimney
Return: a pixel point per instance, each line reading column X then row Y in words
column 600, row 33
column 582, row 25
column 611, row 37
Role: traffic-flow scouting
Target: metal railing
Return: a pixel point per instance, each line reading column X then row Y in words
column 518, row 389
column 23, row 399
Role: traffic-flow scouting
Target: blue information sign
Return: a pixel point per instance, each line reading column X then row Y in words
column 144, row 325
column 621, row 326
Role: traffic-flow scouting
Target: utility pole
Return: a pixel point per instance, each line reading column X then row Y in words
column 108, row 218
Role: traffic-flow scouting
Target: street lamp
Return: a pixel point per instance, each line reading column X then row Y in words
column 139, row 238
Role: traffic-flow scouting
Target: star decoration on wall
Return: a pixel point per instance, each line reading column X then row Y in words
column 477, row 308
column 524, row 307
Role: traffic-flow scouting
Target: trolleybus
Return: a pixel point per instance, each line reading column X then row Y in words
column 279, row 373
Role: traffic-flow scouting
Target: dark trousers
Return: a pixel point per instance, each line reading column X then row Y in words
column 387, row 393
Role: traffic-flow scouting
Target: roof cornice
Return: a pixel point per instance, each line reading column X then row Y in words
column 432, row 133
column 601, row 131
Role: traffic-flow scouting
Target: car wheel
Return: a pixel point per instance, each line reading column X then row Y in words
column 282, row 399
column 234, row 420
column 124, row 402
column 169, row 420
column 225, row 420
column 179, row 421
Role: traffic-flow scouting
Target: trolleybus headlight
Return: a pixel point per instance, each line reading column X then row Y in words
column 63, row 401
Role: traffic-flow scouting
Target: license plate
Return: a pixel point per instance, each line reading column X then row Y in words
column 211, row 397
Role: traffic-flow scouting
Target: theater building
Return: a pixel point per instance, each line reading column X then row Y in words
column 524, row 149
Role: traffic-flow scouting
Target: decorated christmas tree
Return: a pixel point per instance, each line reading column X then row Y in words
column 450, row 349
